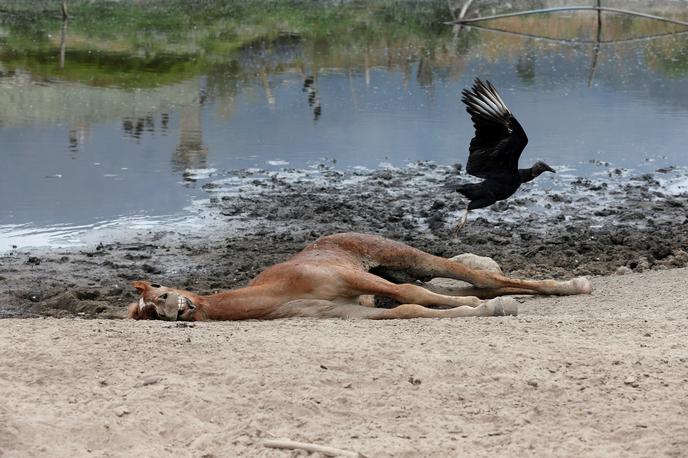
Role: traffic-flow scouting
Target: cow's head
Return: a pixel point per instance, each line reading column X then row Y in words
column 160, row 302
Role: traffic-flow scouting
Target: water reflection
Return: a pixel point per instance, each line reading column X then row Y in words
column 79, row 134
column 424, row 75
column 191, row 152
column 121, row 121
column 135, row 127
column 310, row 88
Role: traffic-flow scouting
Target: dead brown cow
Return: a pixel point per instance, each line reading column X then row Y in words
column 332, row 278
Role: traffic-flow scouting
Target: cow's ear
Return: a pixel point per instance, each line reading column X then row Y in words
column 141, row 286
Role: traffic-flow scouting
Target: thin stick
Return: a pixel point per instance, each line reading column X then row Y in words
column 647, row 16
column 65, row 10
column 63, row 42
column 524, row 13
column 576, row 41
column 327, row 451
column 599, row 20
column 464, row 9
column 568, row 8
column 529, row 35
column 596, row 46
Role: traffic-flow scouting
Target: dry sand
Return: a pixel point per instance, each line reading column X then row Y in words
column 605, row 374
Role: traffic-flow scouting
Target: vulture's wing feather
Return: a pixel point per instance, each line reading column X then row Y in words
column 499, row 138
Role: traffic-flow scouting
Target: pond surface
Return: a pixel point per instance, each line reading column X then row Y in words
column 101, row 127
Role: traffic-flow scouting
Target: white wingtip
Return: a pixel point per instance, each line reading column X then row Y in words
column 484, row 101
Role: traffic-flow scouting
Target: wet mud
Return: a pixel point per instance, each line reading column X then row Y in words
column 569, row 226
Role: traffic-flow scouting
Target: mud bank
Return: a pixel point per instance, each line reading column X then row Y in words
column 555, row 227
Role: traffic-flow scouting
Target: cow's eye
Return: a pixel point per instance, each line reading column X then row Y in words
column 155, row 285
column 162, row 297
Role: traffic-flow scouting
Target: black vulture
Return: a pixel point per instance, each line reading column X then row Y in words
column 494, row 151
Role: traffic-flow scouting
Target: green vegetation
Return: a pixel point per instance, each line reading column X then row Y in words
column 669, row 56
column 138, row 44
column 122, row 42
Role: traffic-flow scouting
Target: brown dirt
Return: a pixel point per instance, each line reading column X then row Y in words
column 593, row 375
column 597, row 375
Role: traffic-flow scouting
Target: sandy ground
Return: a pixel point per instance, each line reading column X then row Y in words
column 604, row 374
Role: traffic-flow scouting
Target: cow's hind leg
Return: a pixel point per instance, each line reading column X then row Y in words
column 421, row 265
column 481, row 293
column 317, row 308
column 363, row 283
column 411, row 297
column 497, row 284
column 500, row 306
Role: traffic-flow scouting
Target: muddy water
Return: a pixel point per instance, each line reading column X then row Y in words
column 107, row 136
